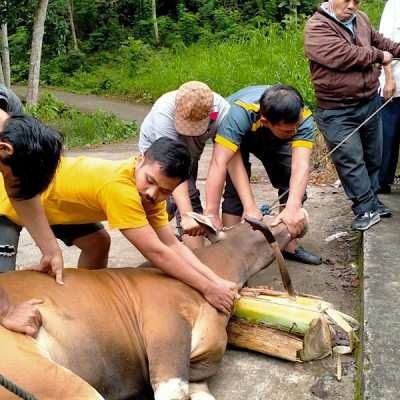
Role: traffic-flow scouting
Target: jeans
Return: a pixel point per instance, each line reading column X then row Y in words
column 358, row 159
column 9, row 238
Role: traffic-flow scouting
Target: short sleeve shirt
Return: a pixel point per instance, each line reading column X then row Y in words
column 160, row 123
column 244, row 118
column 88, row 189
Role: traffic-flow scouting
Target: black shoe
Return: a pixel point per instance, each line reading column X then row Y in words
column 364, row 221
column 384, row 211
column 302, row 256
column 385, row 188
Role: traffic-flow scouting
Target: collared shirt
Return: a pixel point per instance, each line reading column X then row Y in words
column 244, row 118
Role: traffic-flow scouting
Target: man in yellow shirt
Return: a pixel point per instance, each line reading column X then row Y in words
column 29, row 155
column 131, row 195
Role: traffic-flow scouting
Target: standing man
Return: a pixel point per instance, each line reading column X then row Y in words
column 389, row 85
column 343, row 50
column 131, row 195
column 271, row 123
column 29, row 155
column 191, row 114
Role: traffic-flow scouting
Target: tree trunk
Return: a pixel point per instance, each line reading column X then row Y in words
column 1, row 75
column 153, row 5
column 5, row 56
column 72, row 24
column 36, row 53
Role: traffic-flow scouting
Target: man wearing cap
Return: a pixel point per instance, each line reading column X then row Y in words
column 191, row 114
column 271, row 123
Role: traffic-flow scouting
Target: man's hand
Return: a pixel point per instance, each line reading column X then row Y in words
column 294, row 218
column 191, row 227
column 253, row 211
column 389, row 89
column 222, row 295
column 215, row 220
column 387, row 58
column 52, row 265
column 24, row 318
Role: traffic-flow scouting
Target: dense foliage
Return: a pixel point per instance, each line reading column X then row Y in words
column 228, row 44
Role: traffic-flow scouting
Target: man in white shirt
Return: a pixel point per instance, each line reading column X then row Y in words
column 191, row 114
column 389, row 84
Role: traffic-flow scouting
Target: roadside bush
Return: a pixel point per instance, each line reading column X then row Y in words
column 80, row 129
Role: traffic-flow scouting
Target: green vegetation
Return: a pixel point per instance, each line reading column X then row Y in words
column 80, row 129
column 227, row 44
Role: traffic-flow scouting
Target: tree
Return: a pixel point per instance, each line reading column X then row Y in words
column 72, row 24
column 5, row 56
column 36, row 52
column 153, row 5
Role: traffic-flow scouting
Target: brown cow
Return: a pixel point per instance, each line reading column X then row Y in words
column 130, row 333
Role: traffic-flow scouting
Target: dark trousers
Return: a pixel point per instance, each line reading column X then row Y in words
column 276, row 157
column 195, row 200
column 358, row 159
column 391, row 140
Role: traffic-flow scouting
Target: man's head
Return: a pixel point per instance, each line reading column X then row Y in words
column 344, row 9
column 29, row 155
column 164, row 165
column 281, row 108
column 193, row 105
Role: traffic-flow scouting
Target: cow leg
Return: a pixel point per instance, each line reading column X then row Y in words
column 168, row 352
column 26, row 364
column 200, row 391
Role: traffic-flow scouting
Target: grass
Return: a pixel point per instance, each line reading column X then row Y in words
column 265, row 56
column 80, row 129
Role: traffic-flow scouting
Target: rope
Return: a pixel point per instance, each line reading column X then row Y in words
column 17, row 390
column 347, row 137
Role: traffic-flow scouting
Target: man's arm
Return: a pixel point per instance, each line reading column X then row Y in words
column 240, row 179
column 390, row 83
column 163, row 249
column 293, row 215
column 215, row 181
column 24, row 318
column 34, row 219
column 182, row 200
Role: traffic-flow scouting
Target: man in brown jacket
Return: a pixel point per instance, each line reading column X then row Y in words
column 343, row 50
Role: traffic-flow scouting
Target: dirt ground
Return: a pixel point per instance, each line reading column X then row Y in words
column 245, row 374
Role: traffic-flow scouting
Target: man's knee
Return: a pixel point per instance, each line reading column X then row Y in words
column 98, row 242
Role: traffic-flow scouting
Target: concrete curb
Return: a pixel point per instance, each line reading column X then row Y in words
column 380, row 307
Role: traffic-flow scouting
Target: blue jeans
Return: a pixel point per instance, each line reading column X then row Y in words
column 391, row 140
column 9, row 238
column 358, row 159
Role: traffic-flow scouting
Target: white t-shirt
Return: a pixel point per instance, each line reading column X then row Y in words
column 390, row 28
column 160, row 123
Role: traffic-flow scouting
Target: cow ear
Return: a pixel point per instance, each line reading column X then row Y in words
column 206, row 224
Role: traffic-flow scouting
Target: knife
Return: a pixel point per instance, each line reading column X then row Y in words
column 286, row 281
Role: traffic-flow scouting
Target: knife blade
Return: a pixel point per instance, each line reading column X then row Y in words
column 263, row 228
